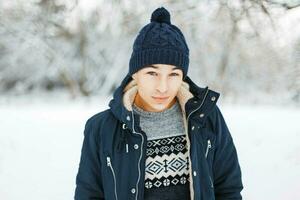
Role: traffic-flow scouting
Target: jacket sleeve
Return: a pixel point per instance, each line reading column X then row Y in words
column 227, row 172
column 88, row 179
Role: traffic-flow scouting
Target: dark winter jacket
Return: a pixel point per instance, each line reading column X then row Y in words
column 113, row 154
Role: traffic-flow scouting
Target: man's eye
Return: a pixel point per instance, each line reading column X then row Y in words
column 151, row 73
column 154, row 73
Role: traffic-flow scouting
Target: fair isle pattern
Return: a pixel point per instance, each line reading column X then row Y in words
column 167, row 162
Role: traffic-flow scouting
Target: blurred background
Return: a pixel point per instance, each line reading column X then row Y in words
column 61, row 60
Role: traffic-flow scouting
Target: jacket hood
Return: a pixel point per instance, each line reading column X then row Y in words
column 124, row 95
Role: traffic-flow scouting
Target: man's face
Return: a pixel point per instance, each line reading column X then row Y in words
column 157, row 80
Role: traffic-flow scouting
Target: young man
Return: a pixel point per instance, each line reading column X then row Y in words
column 163, row 136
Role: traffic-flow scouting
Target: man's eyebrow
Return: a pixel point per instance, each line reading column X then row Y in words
column 176, row 68
column 155, row 67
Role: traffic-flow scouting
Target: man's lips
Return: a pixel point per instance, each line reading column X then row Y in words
column 161, row 98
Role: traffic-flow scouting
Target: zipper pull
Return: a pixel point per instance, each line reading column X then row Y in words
column 208, row 147
column 126, row 148
column 208, row 143
column 108, row 161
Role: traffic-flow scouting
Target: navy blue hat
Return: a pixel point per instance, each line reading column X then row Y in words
column 159, row 42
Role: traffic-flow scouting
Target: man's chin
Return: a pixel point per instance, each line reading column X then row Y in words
column 159, row 107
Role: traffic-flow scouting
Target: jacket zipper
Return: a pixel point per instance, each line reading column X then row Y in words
column 113, row 172
column 206, row 153
column 188, row 126
column 211, row 183
column 140, row 158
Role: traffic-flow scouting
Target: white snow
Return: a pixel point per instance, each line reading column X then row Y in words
column 41, row 140
column 267, row 139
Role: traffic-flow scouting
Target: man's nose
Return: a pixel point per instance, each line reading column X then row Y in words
column 162, row 85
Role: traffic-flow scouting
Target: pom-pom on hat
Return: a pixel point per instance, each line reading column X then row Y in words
column 159, row 42
column 161, row 15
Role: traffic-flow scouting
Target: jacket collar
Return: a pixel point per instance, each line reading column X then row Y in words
column 189, row 96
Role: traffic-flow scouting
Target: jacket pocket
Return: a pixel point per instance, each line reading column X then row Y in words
column 206, row 139
column 110, row 165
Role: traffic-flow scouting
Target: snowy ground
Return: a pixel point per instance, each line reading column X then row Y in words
column 40, row 142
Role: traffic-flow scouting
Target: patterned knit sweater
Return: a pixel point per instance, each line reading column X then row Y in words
column 167, row 166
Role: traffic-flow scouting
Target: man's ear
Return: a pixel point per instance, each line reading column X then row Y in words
column 134, row 76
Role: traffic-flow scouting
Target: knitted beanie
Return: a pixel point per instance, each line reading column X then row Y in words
column 159, row 42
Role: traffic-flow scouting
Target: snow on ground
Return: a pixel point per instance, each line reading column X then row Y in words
column 40, row 144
